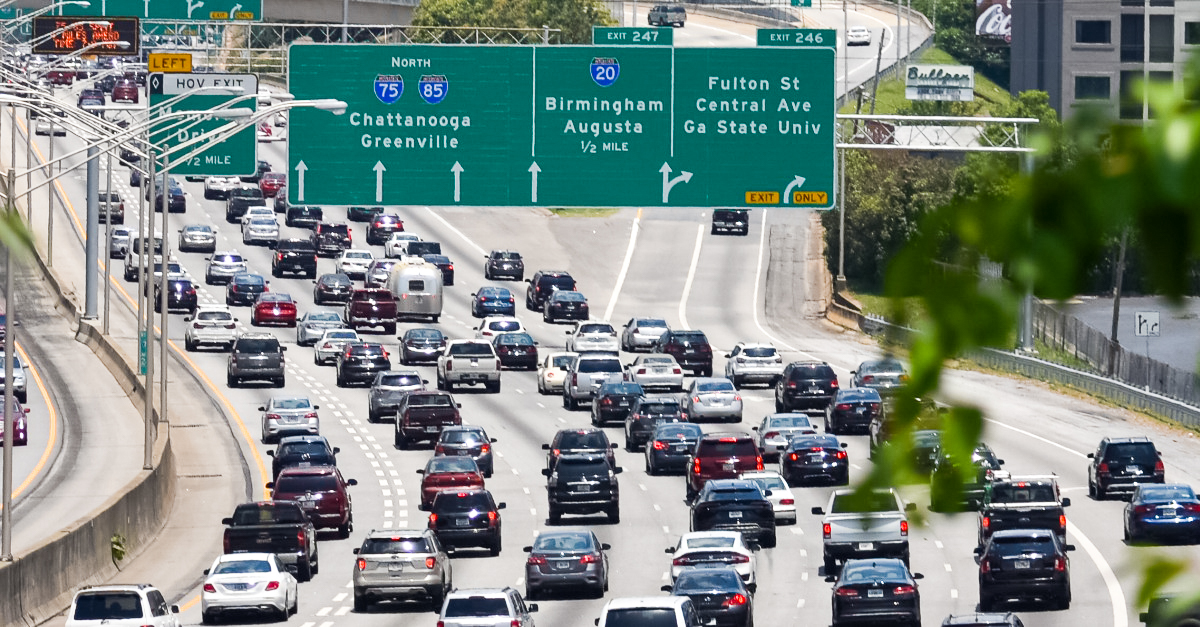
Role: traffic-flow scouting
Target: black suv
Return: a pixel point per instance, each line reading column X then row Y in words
column 294, row 255
column 303, row 216
column 241, row 198
column 583, row 484
column 302, row 450
column 363, row 214
column 690, row 349
column 543, row 284
column 1121, row 464
column 359, row 363
column 332, row 238
column 381, row 228
column 181, row 294
column 1024, row 564
column 466, row 518
column 568, row 441
column 952, row 488
column 735, row 505
column 504, row 264
column 646, row 414
column 735, row 221
column 805, row 385
column 613, row 401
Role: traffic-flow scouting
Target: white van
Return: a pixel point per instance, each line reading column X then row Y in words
column 417, row 285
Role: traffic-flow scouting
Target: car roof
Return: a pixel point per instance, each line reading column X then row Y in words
column 1022, row 533
column 306, row 439
column 746, row 345
column 391, row 533
column 979, row 618
column 479, row 592
column 717, row 435
column 238, row 557
column 627, row 603
column 731, row 484
column 310, row 471
column 712, row 534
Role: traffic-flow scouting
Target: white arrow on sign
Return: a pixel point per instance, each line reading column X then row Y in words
column 533, row 170
column 300, row 170
column 379, row 170
column 668, row 183
column 787, row 191
column 457, row 169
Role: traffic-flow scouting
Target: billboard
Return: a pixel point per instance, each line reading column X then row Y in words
column 993, row 20
column 953, row 83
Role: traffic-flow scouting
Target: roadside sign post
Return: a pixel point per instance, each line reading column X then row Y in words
column 1145, row 324
column 236, row 156
column 143, row 351
column 564, row 126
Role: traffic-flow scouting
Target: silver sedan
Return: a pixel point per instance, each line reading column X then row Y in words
column 327, row 347
column 197, row 238
column 713, row 398
column 291, row 415
column 642, row 333
column 313, row 325
column 592, row 336
column 655, row 371
column 260, row 231
column 777, row 430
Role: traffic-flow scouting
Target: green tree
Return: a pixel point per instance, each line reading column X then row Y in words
column 574, row 18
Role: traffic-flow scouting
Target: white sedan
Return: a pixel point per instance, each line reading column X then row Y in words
column 397, row 244
column 552, row 371
column 257, row 211
column 714, row 547
column 254, row 582
column 217, row 187
column 353, row 263
column 593, row 336
column 326, row 349
column 656, row 370
column 780, row 495
column 776, row 431
column 858, row 36
column 495, row 325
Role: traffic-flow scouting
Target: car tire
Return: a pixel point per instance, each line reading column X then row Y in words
column 650, row 470
column 614, row 515
column 555, row 516
column 345, row 529
column 1101, row 493
column 231, row 381
column 361, row 604
column 208, row 618
column 391, row 328
column 769, row 541
column 341, row 381
column 531, row 593
column 304, row 571
column 830, row 564
column 187, row 346
column 779, row 409
column 494, row 547
column 986, row 604
column 401, row 442
column 23, row 397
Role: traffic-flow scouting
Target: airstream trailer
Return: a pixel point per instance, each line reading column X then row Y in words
column 417, row 285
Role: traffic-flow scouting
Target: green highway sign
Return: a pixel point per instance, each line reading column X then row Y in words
column 802, row 3
column 143, row 347
column 563, row 126
column 200, row 10
column 237, row 155
column 797, row 37
column 633, row 36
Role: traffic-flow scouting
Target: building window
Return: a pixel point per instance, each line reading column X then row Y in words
column 1093, row 32
column 1132, row 40
column 1131, row 101
column 1162, row 38
column 1142, row 3
column 1191, row 33
column 1092, row 87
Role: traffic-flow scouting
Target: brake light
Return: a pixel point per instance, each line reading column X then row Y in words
column 833, row 384
column 451, row 268
column 874, row 407
column 483, row 299
column 728, row 440
column 904, row 590
column 536, row 560
column 485, row 448
column 606, row 401
column 278, row 256
column 676, row 371
column 985, row 566
column 362, row 564
column 439, row 450
column 449, row 365
column 985, row 522
column 827, row 530
column 1158, row 467
column 510, row 298
column 737, row 599
column 1102, row 468
column 231, row 326
column 842, row 407
column 659, row 445
column 758, row 463
column 430, row 562
column 300, row 538
column 793, row 456
column 514, row 623
column 787, row 501
column 555, row 452
column 771, row 434
column 904, row 527
column 432, row 520
column 225, row 544
column 737, row 397
column 197, row 325
column 792, row 385
column 641, row 371
column 208, row 587
column 695, row 399
column 272, row 585
column 696, row 466
column 846, row 592
column 589, row 559
column 1060, row 564
column 1192, row 507
column 274, row 417
column 738, row 559
column 492, row 516
column 312, row 415
column 839, row 455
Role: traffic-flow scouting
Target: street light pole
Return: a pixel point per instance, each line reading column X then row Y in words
column 147, row 258
column 162, row 295
column 50, row 200
column 92, row 234
column 108, row 241
column 9, row 331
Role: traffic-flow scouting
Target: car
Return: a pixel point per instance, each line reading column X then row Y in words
column 469, row 441
column 263, row 133
column 815, row 457
column 735, row 505
column 239, row 199
column 301, row 216
column 363, row 214
column 690, row 349
column 353, row 263
column 874, row 591
column 422, row 344
column 712, row 398
column 668, row 611
column 291, row 415
column 504, row 264
column 1024, row 564
column 444, row 264
column 753, row 362
column 667, row 15
column 422, row 249
column 925, row 446
column 208, row 325
column 671, row 446
column 492, row 326
column 721, row 455
column 359, row 363
column 294, row 255
column 517, row 351
column 776, row 430
column 613, row 401
column 120, row 605
column 1163, row 512
column 332, row 238
column 255, row 356
column 493, row 301
column 378, row 272
column 174, row 271
column 311, row 326
column 805, row 385
column 447, row 473
column 119, row 242
column 641, row 334
column 716, row 547
column 468, row 362
column 381, row 227
column 327, row 348
column 655, row 371
column 388, row 388
column 954, row 489
column 20, row 378
column 181, row 295
column 396, row 245
column 1119, row 465
column 566, row 559
column 646, row 413
column 302, row 451
column 125, row 90
column 134, row 261
column 199, row 238
column 983, row 619
column 322, row 492
column 496, row 606
column 244, row 289
column 783, row 502
column 422, row 415
column 736, row 221
column 248, row 582
column 332, row 288
column 20, row 424
column 273, row 308
column 552, row 371
column 217, row 187
column 112, row 206
column 885, row 375
column 592, row 336
column 89, row 95
column 223, row 266
column 467, row 518
column 271, row 183
column 1171, row 609
column 260, row 231
column 858, row 36
column 852, row 410
column 884, row 424
column 401, row 564
column 588, row 372
column 719, row 594
column 578, row 441
column 261, row 168
column 543, row 284
column 583, row 483
column 565, row 305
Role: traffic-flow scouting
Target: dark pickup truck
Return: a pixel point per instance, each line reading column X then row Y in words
column 279, row 527
column 422, row 414
column 374, row 307
column 294, row 255
column 1023, row 503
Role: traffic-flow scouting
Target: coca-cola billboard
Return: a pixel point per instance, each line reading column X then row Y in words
column 993, row 20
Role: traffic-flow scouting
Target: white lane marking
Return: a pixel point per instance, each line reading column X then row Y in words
column 666, row 529
column 526, row 490
column 387, row 523
column 804, row 576
column 799, row 603
column 640, row 485
column 342, row 611
column 520, row 581
column 327, row 623
column 456, row 231
column 937, row 543
column 308, row 624
column 1115, row 594
column 947, row 565
column 953, row 593
column 339, row 597
column 324, row 611
column 388, row 513
column 798, row 531
column 387, row 503
column 657, row 507
column 666, row 576
column 762, row 238
column 541, row 406
column 519, row 391
column 616, row 293
column 803, row 553
column 691, row 276
column 515, row 471
column 533, row 512
column 386, row 492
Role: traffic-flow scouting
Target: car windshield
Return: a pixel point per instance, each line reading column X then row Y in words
column 759, row 351
column 264, row 345
column 869, row 502
column 702, row 580
column 562, row 362
column 338, row 229
column 505, row 255
column 299, row 484
column 503, row 325
column 564, row 542
column 196, row 228
column 1167, row 493
column 108, row 606
column 735, row 494
column 240, row 567
column 274, row 297
column 381, row 265
column 621, row 388
column 335, row 279
column 461, row 436
column 874, row 571
column 859, row 394
column 678, row 431
column 769, row 483
column 302, row 448
column 291, row 403
column 573, row 297
column 248, row 280
column 462, row 502
column 583, row 440
column 812, row 372
column 494, row 292
column 245, row 192
column 1137, row 453
column 400, row 380
column 1023, row 492
column 471, row 349
column 516, row 339
column 814, row 441
column 692, row 337
column 397, row 544
column 354, row 254
column 341, row 334
column 726, row 449
column 597, row 328
column 659, row 407
column 719, row 542
column 451, row 464
column 789, row 422
column 227, row 259
column 561, row 282
column 429, row 400
column 471, row 607
column 1023, row 544
column 599, row 365
column 641, row 617
column 715, row 386
column 586, row 467
column 267, row 513
column 424, row 334
column 649, row 323
column 665, row 359
column 882, row 366
column 324, row 316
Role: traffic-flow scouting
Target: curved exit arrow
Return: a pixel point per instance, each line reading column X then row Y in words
column 787, row 191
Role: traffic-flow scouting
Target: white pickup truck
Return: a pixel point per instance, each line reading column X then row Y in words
column 466, row 362
column 874, row 525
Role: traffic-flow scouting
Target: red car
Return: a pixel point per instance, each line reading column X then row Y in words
column 21, row 427
column 126, row 90
column 60, row 77
column 271, row 182
column 321, row 492
column 273, row 308
column 448, row 473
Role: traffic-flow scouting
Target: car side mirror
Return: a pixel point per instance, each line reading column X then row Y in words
column 830, row 578
column 669, row 550
column 420, row 471
column 728, row 355
column 1091, row 456
column 844, row 445
column 612, row 445
column 545, row 472
column 754, row 428
column 618, row 470
column 270, row 485
column 568, row 332
column 1001, row 462
column 316, row 407
column 545, row 447
column 978, row 550
column 533, row 607
column 918, row 576
column 527, row 549
column 283, row 348
column 494, row 440
column 337, row 450
column 174, row 609
column 458, row 405
column 472, row 294
column 424, row 381
column 910, row 507
column 226, row 521
column 596, row 622
column 529, row 281
column 605, row 547
column 270, row 453
column 421, row 507
column 818, row 511
column 767, row 492
column 187, row 318
column 1069, row 547
column 262, row 408
column 666, row 588
column 354, row 550
column 501, row 505
column 352, row 482
column 1066, row 502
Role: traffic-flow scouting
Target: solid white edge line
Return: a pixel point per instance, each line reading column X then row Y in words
column 612, row 300
column 1120, row 618
column 456, row 231
column 687, row 285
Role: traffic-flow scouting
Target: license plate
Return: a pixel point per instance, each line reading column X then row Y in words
column 261, row 540
column 623, row 403
column 308, row 504
column 237, row 587
column 304, row 464
column 1169, row 513
column 861, row 410
column 729, row 466
column 866, row 546
column 1021, row 564
column 562, row 565
column 1133, row 470
column 587, row 488
column 681, row 447
column 874, row 594
column 462, row 522
column 395, row 568
column 474, row 361
column 431, row 429
column 814, row 390
column 735, row 514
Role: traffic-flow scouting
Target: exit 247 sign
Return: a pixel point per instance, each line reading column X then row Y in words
column 589, row 126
